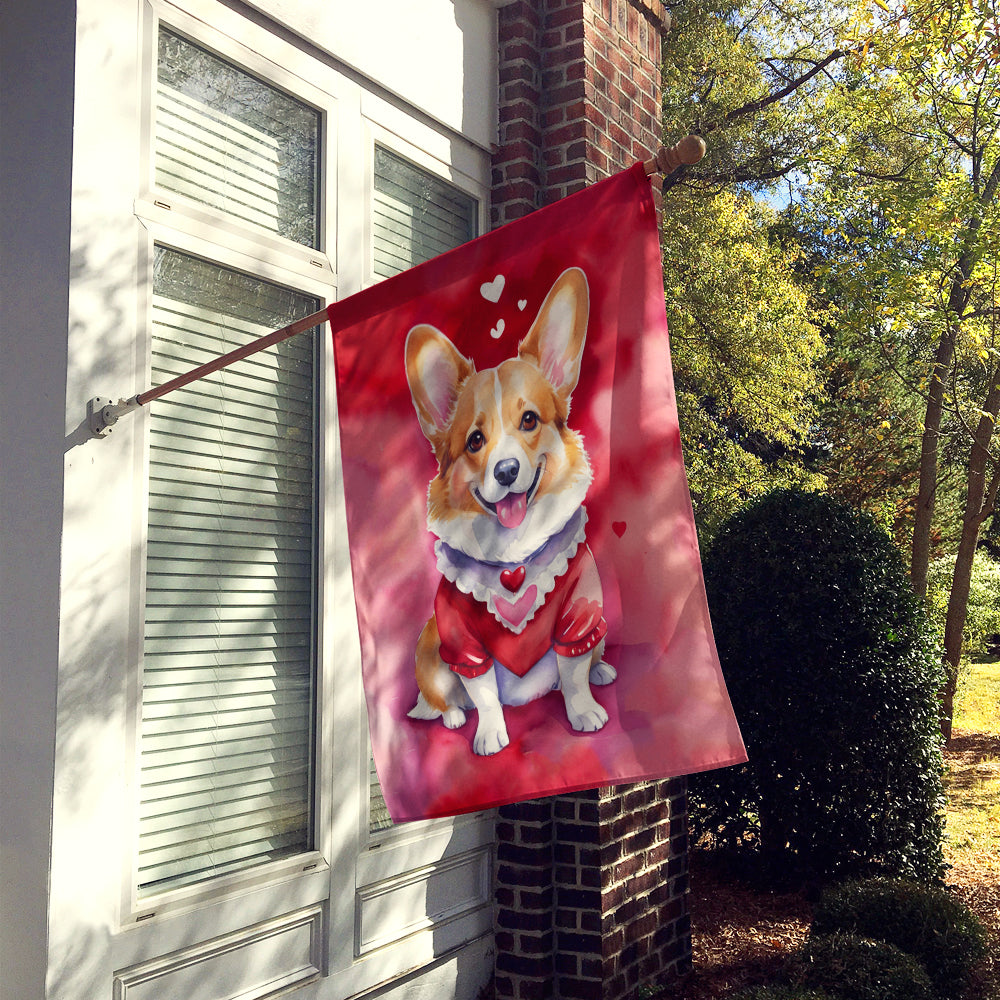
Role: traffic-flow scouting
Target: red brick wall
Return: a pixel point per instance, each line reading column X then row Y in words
column 591, row 893
column 579, row 96
column 591, row 889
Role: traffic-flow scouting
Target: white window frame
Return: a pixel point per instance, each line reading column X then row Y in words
column 350, row 872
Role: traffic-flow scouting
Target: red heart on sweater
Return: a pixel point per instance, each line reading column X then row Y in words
column 512, row 578
column 618, row 527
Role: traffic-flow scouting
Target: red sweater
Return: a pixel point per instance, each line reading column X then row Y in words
column 571, row 620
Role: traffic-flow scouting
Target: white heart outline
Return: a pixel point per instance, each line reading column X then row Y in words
column 497, row 332
column 521, row 303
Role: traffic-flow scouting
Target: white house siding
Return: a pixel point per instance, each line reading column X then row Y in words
column 413, row 911
column 36, row 117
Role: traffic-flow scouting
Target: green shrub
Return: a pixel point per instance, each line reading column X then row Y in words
column 925, row 922
column 833, row 672
column 856, row 968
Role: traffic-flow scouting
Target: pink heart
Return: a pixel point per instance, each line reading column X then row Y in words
column 512, row 578
column 515, row 613
column 618, row 527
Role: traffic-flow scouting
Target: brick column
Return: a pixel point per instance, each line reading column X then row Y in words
column 579, row 96
column 591, row 888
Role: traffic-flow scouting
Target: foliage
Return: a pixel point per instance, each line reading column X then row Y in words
column 746, row 348
column 868, row 427
column 746, row 355
column 878, row 125
column 983, row 614
column 833, row 673
column 912, row 198
column 926, row 922
column 747, row 76
column 856, row 968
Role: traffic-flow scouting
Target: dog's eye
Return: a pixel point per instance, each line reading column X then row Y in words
column 529, row 421
column 475, row 441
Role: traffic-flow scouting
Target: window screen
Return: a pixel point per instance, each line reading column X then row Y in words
column 225, row 139
column 416, row 216
column 228, row 656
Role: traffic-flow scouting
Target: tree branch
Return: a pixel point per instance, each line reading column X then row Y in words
column 753, row 107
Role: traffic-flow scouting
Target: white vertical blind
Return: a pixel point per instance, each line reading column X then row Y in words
column 228, row 656
column 416, row 216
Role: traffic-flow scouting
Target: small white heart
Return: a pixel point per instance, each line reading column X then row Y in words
column 521, row 303
column 491, row 290
column 498, row 331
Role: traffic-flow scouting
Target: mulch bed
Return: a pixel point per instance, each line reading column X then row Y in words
column 742, row 934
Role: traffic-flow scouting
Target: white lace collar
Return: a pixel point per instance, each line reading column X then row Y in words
column 513, row 592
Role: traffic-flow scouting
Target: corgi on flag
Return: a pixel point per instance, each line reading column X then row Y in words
column 526, row 572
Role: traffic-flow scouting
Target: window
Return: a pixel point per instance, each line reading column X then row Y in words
column 252, row 805
column 229, row 647
column 228, row 678
column 416, row 216
column 227, row 140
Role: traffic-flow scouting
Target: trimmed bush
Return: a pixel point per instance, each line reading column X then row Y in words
column 856, row 968
column 925, row 922
column 833, row 672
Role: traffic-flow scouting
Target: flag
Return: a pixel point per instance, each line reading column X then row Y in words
column 526, row 573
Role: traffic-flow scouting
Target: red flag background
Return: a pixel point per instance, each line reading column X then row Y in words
column 667, row 709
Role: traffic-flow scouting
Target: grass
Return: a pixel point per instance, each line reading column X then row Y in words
column 972, row 848
column 973, row 782
column 978, row 697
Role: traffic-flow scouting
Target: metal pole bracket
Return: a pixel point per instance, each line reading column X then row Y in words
column 103, row 413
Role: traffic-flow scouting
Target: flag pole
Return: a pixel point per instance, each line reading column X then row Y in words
column 103, row 414
column 687, row 152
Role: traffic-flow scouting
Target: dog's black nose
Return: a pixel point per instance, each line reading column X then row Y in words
column 506, row 471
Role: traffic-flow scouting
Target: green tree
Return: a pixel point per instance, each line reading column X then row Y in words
column 747, row 357
column 910, row 181
column 747, row 354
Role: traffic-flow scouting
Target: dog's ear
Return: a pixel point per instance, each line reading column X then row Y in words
column 556, row 338
column 434, row 370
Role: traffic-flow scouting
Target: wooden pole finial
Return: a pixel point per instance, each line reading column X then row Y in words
column 668, row 158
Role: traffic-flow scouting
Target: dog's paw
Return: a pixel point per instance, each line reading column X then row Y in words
column 602, row 673
column 490, row 740
column 586, row 715
column 423, row 709
column 453, row 718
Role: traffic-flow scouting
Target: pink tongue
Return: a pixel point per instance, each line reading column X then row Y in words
column 511, row 510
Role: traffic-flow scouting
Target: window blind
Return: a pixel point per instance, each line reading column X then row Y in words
column 416, row 216
column 228, row 654
column 228, row 140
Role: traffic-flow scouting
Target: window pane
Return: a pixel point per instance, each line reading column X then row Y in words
column 416, row 216
column 228, row 658
column 228, row 140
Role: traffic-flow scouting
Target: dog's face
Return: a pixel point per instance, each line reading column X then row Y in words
column 510, row 471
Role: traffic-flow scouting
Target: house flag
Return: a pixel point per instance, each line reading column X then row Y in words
column 526, row 572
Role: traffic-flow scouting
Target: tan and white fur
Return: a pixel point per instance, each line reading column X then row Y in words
column 511, row 475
